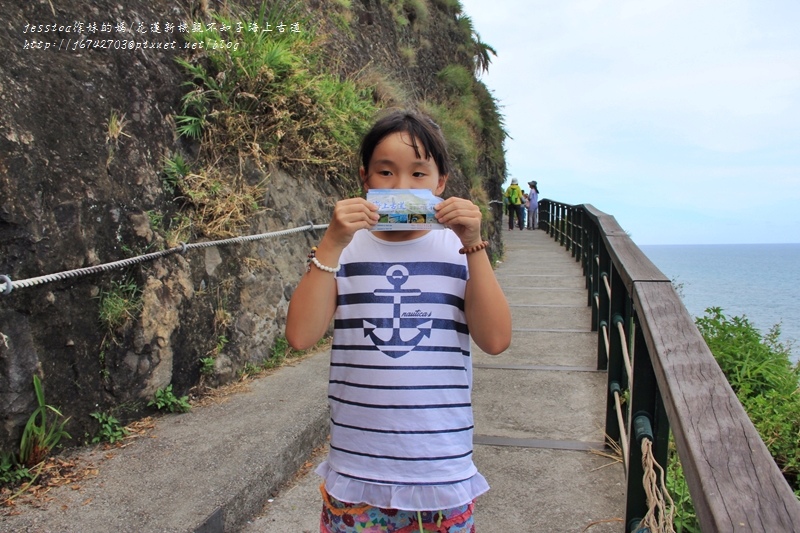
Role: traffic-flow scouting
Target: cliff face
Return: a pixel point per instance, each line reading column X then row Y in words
column 84, row 133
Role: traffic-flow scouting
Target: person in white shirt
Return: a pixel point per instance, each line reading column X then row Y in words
column 533, row 206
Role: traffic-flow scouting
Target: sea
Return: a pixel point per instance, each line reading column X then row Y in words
column 758, row 281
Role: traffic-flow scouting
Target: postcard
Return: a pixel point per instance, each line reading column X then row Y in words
column 405, row 209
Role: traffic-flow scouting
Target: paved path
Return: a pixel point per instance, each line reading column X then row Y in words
column 539, row 410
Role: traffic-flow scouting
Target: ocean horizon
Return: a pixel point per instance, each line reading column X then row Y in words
column 758, row 281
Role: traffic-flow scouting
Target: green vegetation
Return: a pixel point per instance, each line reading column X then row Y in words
column 12, row 473
column 110, row 429
column 178, row 230
column 272, row 99
column 42, row 433
column 409, row 55
column 114, row 130
column 453, row 6
column 44, row 430
column 174, row 170
column 280, row 353
column 207, row 365
column 165, row 400
column 119, row 303
column 409, row 12
column 116, row 127
column 479, row 51
column 761, row 373
column 222, row 340
column 268, row 100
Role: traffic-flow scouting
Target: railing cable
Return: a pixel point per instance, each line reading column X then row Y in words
column 623, row 440
column 605, row 333
column 606, row 283
column 7, row 284
column 623, row 341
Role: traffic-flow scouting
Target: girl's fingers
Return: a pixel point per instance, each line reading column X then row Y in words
column 350, row 216
column 457, row 211
column 463, row 217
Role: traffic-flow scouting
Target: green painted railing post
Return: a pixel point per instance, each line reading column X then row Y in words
column 544, row 214
column 554, row 221
column 594, row 290
column 617, row 373
column 602, row 303
column 589, row 265
column 577, row 227
column 645, row 400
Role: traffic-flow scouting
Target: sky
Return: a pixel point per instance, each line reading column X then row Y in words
column 681, row 118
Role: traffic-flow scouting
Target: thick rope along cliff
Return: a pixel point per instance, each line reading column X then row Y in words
column 7, row 285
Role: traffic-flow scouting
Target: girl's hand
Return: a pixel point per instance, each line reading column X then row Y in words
column 350, row 216
column 463, row 217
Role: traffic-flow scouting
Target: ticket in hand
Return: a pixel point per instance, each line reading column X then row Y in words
column 404, row 209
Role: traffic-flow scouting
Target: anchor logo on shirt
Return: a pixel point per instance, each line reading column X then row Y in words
column 397, row 341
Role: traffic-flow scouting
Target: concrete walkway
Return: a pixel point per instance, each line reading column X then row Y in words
column 238, row 465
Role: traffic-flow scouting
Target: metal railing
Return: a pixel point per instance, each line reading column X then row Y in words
column 654, row 354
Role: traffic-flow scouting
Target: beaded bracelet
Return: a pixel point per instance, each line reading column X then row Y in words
column 473, row 249
column 312, row 258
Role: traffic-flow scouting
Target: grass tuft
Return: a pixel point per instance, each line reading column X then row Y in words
column 121, row 302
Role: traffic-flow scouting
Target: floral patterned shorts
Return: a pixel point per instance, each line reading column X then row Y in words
column 341, row 517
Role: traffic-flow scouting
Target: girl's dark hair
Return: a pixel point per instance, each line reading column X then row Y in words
column 419, row 127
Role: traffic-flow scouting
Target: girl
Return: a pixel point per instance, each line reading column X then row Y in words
column 404, row 304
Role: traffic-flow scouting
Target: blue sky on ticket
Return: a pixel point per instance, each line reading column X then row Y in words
column 679, row 117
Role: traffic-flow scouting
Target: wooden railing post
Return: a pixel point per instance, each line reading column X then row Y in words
column 594, row 290
column 602, row 297
column 554, row 221
column 585, row 252
column 577, row 229
column 557, row 208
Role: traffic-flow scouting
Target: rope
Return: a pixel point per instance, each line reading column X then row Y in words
column 8, row 285
column 625, row 356
column 661, row 508
column 607, row 284
column 623, row 439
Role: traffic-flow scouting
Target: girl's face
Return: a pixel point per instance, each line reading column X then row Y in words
column 394, row 165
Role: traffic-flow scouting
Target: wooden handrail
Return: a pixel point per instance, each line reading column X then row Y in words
column 733, row 480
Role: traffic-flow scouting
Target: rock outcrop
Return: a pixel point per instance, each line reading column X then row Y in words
column 76, row 192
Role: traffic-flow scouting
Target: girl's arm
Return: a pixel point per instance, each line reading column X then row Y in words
column 486, row 307
column 485, row 304
column 314, row 300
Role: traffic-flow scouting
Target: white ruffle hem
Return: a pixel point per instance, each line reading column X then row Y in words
column 403, row 497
